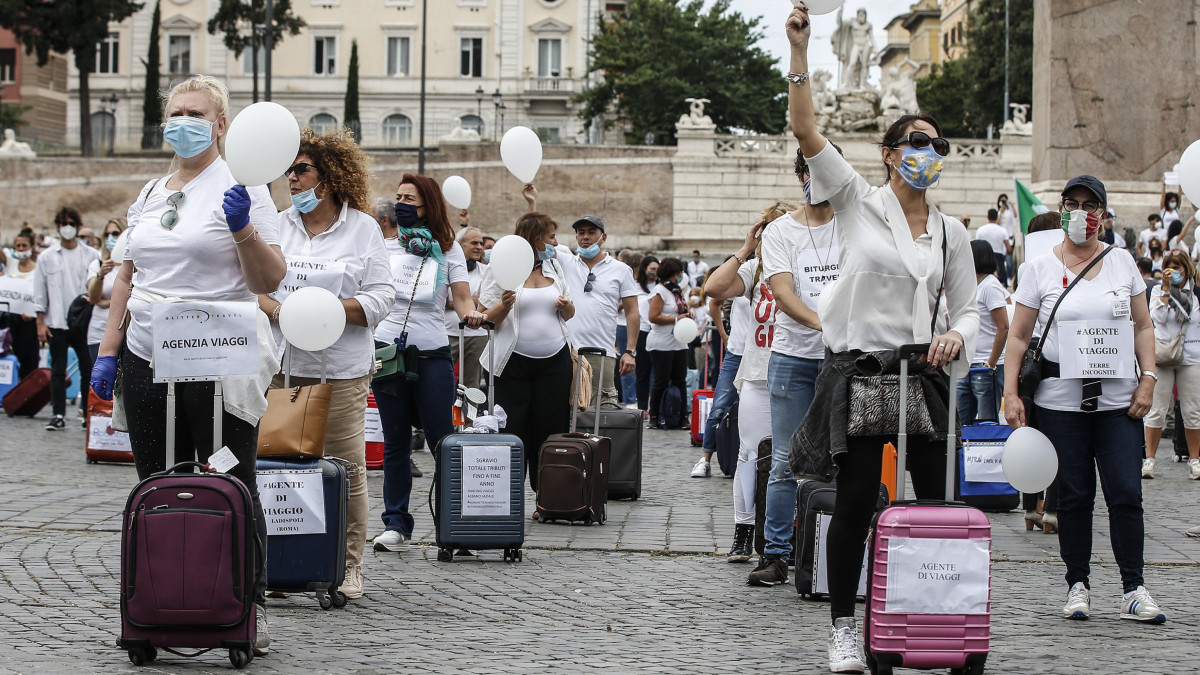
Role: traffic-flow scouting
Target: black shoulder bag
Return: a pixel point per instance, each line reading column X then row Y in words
column 1030, row 375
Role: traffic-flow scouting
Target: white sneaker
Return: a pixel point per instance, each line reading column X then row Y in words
column 703, row 469
column 1079, row 602
column 392, row 540
column 1194, row 469
column 262, row 639
column 844, row 653
column 352, row 587
column 1148, row 467
column 1139, row 606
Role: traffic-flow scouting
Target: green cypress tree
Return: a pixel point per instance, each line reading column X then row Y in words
column 352, row 120
column 152, row 114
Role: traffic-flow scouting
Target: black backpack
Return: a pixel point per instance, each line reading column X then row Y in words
column 670, row 409
column 79, row 315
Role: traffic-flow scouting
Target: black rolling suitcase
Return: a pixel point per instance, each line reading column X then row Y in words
column 814, row 509
column 624, row 429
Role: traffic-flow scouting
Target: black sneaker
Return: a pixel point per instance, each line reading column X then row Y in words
column 772, row 571
column 56, row 423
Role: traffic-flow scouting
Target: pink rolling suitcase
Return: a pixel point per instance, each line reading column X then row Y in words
column 929, row 573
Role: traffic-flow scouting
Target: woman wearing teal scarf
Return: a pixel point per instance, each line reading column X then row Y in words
column 428, row 270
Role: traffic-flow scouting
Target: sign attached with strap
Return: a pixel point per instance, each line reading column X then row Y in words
column 306, row 271
column 938, row 576
column 293, row 501
column 18, row 293
column 204, row 340
column 486, row 480
column 404, row 275
column 1095, row 349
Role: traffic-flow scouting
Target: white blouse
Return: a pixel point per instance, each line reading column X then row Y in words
column 888, row 286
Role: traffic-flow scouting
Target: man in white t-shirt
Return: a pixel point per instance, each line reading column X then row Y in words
column 60, row 278
column 1154, row 231
column 601, row 286
column 993, row 233
column 470, row 370
column 696, row 269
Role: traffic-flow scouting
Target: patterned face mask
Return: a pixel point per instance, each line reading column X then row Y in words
column 919, row 167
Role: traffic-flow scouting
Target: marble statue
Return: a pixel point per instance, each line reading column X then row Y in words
column 1018, row 125
column 854, row 45
column 12, row 148
column 899, row 92
column 824, row 100
column 695, row 119
column 458, row 133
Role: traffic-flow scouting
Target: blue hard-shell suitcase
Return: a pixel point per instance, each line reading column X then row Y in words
column 999, row 496
column 299, row 563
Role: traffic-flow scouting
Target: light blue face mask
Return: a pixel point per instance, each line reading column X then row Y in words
column 546, row 253
column 589, row 252
column 487, row 256
column 188, row 136
column 919, row 167
column 1176, row 278
column 110, row 241
column 306, row 201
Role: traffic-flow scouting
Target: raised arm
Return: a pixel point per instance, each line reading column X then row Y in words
column 800, row 103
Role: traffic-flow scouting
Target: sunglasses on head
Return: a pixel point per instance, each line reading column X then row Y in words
column 299, row 168
column 920, row 139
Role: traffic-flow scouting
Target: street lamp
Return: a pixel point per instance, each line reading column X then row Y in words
column 501, row 108
column 112, row 132
column 479, row 108
column 498, row 101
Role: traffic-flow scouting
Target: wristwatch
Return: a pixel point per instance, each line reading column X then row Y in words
column 631, row 352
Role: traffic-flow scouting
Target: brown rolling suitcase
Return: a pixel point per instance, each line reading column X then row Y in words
column 30, row 395
column 573, row 471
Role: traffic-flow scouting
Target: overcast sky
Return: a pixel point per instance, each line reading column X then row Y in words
column 820, row 53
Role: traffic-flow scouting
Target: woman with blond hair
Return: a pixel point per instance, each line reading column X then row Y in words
column 331, row 242
column 197, row 235
column 102, row 274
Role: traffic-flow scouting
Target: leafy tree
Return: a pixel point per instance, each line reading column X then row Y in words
column 242, row 23
column 64, row 26
column 660, row 52
column 984, row 67
column 152, row 112
column 10, row 115
column 941, row 95
column 350, row 115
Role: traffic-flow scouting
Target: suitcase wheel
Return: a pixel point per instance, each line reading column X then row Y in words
column 603, row 514
column 512, row 555
column 240, row 658
column 140, row 656
column 445, row 555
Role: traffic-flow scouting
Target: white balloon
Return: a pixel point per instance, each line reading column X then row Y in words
column 1189, row 172
column 512, row 261
column 819, row 6
column 457, row 192
column 312, row 319
column 262, row 143
column 117, row 254
column 521, row 150
column 1029, row 460
column 686, row 330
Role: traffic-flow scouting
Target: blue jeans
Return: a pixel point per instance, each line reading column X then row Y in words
column 1111, row 441
column 979, row 394
column 792, row 382
column 626, row 384
column 725, row 396
column 402, row 405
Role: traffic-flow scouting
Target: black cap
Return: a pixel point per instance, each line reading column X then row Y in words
column 1092, row 184
column 589, row 220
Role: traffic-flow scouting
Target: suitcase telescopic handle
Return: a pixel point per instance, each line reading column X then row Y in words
column 486, row 324
column 902, row 435
column 490, row 327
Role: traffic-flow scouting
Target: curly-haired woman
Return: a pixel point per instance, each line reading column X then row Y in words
column 331, row 242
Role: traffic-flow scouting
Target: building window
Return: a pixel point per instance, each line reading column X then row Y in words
column 8, row 65
column 398, row 50
column 248, row 60
column 179, row 54
column 322, row 123
column 472, row 122
column 325, row 55
column 398, row 130
column 107, row 55
column 471, row 57
column 549, row 57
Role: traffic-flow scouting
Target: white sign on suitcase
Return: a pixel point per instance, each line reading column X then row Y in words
column 486, row 480
column 938, row 576
column 820, row 567
column 293, row 501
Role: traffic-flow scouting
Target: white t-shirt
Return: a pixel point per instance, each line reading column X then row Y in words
column 696, row 269
column 739, row 324
column 662, row 336
column 1117, row 285
column 810, row 255
column 1167, row 216
column 991, row 295
column 1008, row 220
column 474, row 280
column 644, row 308
column 700, row 315
column 596, row 310
column 197, row 259
column 60, row 277
column 1177, row 244
column 1168, row 320
column 427, row 322
column 1147, row 234
column 761, row 330
column 888, row 283
column 100, row 314
column 993, row 234
column 539, row 334
column 350, row 261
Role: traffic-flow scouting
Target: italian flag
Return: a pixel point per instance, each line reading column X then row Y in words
column 1028, row 206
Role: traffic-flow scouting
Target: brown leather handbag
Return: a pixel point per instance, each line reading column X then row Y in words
column 295, row 421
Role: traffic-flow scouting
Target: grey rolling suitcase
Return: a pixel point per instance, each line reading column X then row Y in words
column 624, row 429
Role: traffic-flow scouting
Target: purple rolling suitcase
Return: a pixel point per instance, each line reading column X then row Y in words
column 928, row 572
column 187, row 561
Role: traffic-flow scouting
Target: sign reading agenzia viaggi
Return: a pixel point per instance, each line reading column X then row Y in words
column 204, row 340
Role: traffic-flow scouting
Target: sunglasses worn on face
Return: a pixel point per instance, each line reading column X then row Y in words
column 587, row 288
column 299, row 168
column 171, row 218
column 920, row 139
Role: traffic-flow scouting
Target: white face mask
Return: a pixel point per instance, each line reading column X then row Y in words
column 67, row 232
column 22, row 255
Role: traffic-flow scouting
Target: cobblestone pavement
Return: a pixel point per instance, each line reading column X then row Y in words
column 646, row 592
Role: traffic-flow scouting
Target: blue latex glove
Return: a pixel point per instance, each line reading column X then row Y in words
column 104, row 374
column 237, row 208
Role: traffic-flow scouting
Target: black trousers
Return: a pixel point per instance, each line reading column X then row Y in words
column 670, row 369
column 536, row 396
column 858, row 495
column 644, row 370
column 146, row 403
column 60, row 340
column 25, row 344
